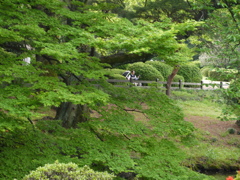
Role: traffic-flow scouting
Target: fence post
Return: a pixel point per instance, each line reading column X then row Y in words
column 157, row 82
column 180, row 84
column 201, row 86
column 131, row 82
column 221, row 85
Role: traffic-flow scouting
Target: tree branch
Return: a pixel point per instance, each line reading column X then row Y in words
column 135, row 110
column 98, row 136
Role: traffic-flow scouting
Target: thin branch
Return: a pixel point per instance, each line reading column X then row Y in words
column 126, row 136
column 31, row 123
column 135, row 110
column 98, row 136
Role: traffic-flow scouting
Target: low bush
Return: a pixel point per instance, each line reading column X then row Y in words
column 69, row 171
column 205, row 71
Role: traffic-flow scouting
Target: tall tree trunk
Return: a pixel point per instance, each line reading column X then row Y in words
column 72, row 114
column 170, row 78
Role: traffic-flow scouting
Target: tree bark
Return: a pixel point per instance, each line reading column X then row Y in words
column 170, row 78
column 72, row 114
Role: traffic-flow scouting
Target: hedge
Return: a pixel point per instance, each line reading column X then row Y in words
column 146, row 71
column 190, row 72
column 163, row 68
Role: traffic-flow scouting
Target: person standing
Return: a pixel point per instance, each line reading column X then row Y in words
column 133, row 76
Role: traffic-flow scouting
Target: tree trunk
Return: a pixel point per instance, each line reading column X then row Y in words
column 72, row 114
column 170, row 78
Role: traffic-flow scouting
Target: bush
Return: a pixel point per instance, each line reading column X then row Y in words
column 177, row 78
column 68, row 171
column 191, row 73
column 221, row 74
column 146, row 71
column 205, row 71
column 115, row 73
column 163, row 68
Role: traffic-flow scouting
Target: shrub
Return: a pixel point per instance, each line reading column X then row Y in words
column 146, row 71
column 205, row 71
column 163, row 68
column 115, row 73
column 177, row 78
column 221, row 74
column 231, row 130
column 191, row 73
column 67, row 171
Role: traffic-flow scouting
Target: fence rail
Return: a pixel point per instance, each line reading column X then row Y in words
column 175, row 85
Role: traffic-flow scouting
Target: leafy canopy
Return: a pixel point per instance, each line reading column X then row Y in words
column 58, row 41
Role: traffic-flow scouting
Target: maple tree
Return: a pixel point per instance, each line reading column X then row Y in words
column 65, row 42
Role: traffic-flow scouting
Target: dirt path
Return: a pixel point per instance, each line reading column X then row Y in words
column 217, row 129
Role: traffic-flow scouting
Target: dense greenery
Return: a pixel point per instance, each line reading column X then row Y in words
column 64, row 43
column 72, row 42
column 108, row 142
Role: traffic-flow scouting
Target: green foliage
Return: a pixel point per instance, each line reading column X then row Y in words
column 59, row 37
column 10, row 123
column 222, row 74
column 220, row 40
column 113, row 140
column 191, row 73
column 232, row 95
column 146, row 71
column 163, row 68
column 177, row 11
column 67, row 171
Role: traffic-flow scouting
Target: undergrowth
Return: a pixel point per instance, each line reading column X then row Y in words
column 114, row 141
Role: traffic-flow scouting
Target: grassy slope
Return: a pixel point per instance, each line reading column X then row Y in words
column 217, row 149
